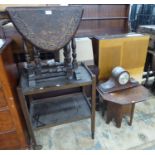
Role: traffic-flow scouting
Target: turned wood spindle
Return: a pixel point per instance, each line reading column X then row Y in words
column 27, row 54
column 30, row 67
column 37, row 59
column 67, row 61
column 74, row 55
column 65, row 57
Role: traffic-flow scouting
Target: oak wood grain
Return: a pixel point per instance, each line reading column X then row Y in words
column 10, row 115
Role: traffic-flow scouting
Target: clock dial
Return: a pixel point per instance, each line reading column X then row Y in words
column 123, row 78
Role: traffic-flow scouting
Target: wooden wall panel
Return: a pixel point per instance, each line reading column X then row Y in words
column 104, row 10
column 100, row 27
column 101, row 19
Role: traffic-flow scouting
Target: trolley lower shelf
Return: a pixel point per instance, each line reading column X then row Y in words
column 58, row 110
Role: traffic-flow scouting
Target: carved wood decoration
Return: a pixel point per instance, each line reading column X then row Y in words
column 67, row 52
column 37, row 60
column 48, row 28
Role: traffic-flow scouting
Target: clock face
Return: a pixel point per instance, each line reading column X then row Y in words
column 123, row 78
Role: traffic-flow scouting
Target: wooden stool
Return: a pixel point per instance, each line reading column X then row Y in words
column 122, row 103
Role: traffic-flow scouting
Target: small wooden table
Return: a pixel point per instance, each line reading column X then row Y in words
column 123, row 102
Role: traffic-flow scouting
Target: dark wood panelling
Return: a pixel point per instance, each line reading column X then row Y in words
column 104, row 19
column 100, row 10
column 100, row 27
